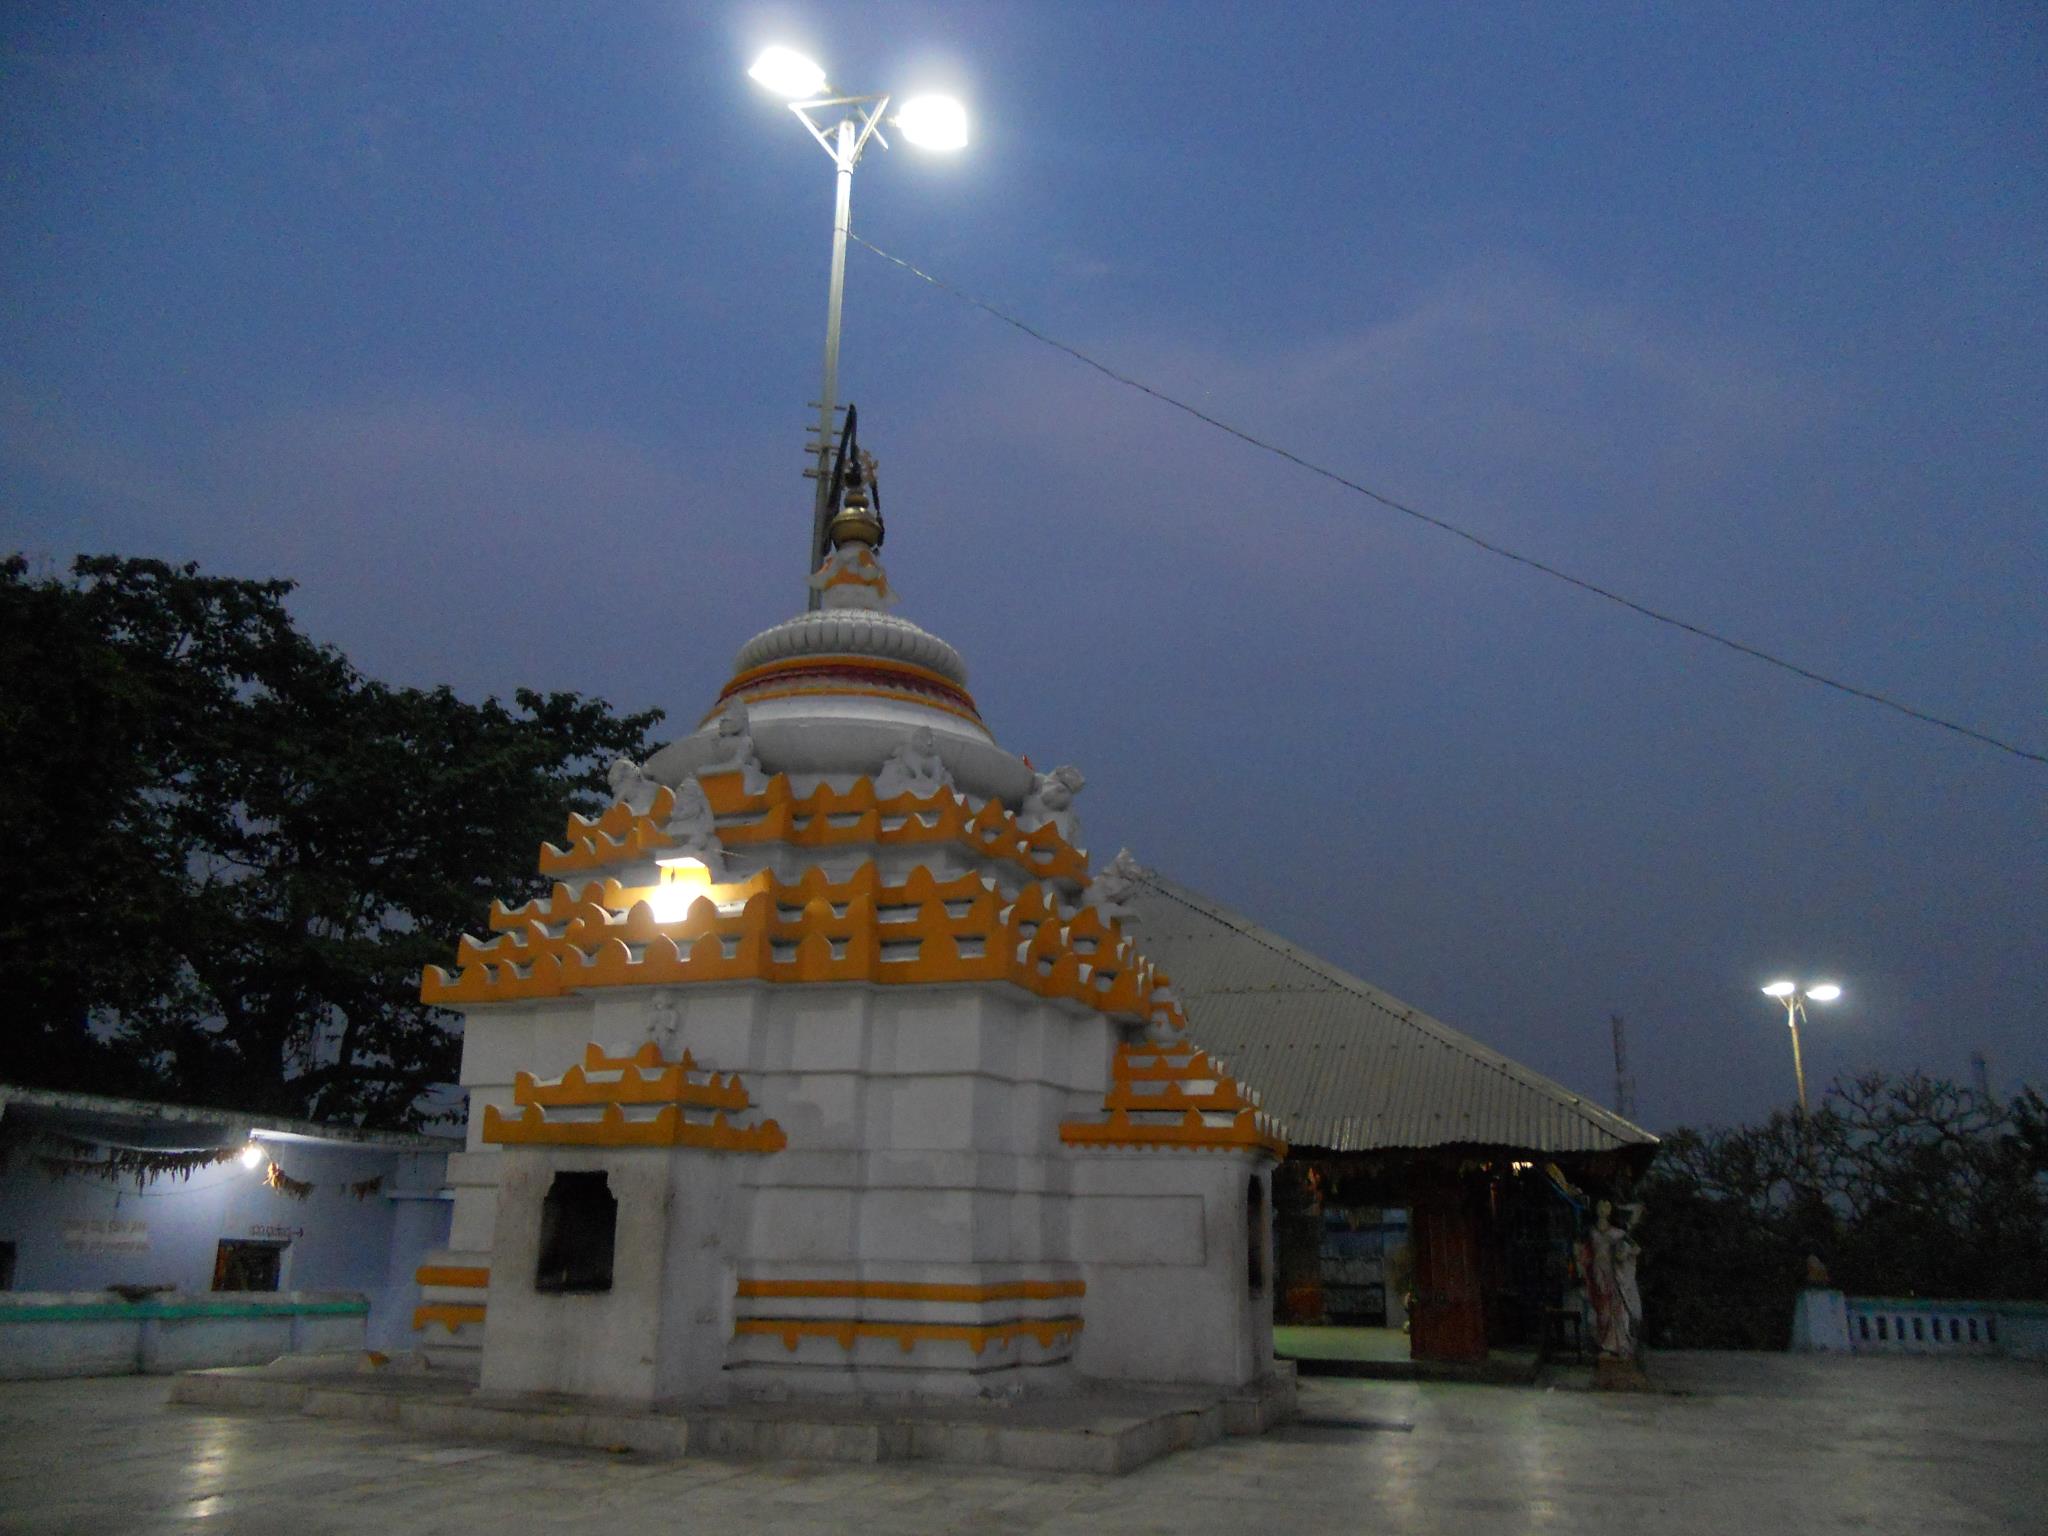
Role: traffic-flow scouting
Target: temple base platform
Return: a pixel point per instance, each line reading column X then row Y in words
column 1102, row 1429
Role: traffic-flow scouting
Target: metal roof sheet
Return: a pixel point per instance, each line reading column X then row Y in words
column 1341, row 1064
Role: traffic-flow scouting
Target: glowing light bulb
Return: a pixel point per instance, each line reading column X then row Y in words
column 1781, row 989
column 788, row 74
column 1826, row 992
column 934, row 122
column 251, row 1155
column 683, row 880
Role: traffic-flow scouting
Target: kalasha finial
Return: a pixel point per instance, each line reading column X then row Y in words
column 855, row 491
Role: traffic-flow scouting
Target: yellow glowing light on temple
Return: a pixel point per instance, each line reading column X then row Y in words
column 251, row 1155
column 683, row 880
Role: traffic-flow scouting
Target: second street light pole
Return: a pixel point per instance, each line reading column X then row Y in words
column 844, row 150
column 1794, row 997
column 1792, row 1012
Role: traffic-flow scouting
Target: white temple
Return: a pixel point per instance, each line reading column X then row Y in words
column 827, row 1070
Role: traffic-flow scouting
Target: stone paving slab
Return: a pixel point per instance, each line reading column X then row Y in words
column 1752, row 1445
column 1104, row 1431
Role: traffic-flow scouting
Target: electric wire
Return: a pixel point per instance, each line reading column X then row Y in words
column 1699, row 631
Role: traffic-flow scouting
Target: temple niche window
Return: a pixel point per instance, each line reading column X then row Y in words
column 579, row 1220
column 1255, row 1235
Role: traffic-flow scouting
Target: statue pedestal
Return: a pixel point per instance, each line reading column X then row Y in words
column 1617, row 1373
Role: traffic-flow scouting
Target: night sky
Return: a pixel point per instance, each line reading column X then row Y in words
column 492, row 325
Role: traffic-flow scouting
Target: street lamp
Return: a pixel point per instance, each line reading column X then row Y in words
column 1795, row 998
column 930, row 122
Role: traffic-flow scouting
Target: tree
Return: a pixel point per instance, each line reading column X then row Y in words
column 230, row 853
column 1901, row 1186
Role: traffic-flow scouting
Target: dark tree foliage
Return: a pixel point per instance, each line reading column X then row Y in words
column 228, row 853
column 1899, row 1186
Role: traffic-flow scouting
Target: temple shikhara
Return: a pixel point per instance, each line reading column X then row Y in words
column 828, row 1070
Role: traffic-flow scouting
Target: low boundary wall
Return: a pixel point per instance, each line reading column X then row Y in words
column 47, row 1334
column 1829, row 1321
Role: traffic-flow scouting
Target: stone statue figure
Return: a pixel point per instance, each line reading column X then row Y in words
column 734, row 750
column 913, row 768
column 851, row 577
column 693, row 830
column 1111, row 890
column 1051, row 799
column 664, row 1023
column 1607, row 1258
column 630, row 784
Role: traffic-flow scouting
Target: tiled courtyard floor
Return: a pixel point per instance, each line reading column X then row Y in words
column 1754, row 1445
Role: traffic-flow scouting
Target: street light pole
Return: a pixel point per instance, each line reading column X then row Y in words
column 1794, row 997
column 930, row 122
column 845, row 148
column 1794, row 1008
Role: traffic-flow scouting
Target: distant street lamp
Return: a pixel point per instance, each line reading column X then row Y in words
column 930, row 122
column 1795, row 998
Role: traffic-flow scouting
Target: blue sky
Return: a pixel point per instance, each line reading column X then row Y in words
column 492, row 325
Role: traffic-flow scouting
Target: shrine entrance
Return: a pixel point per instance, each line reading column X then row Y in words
column 1459, row 1258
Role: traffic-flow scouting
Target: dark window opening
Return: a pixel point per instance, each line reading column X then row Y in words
column 578, row 1222
column 1990, row 1330
column 6, row 1266
column 247, row 1266
column 1918, row 1336
column 1973, row 1330
column 1883, row 1330
column 1255, row 1235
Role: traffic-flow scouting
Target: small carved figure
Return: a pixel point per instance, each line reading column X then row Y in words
column 693, row 829
column 913, row 768
column 851, row 577
column 1112, row 888
column 630, row 784
column 664, row 1023
column 1051, row 799
column 734, row 750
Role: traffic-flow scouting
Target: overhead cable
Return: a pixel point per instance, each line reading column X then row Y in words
column 1530, row 561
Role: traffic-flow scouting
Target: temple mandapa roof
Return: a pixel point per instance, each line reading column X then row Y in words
column 1340, row 1064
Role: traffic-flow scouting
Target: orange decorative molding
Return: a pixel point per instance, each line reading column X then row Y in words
column 1175, row 1096
column 891, row 1290
column 860, row 676
column 922, row 932
column 1048, row 1332
column 666, row 1128
column 449, row 1315
column 825, row 818
column 467, row 1276
column 616, row 835
column 641, row 1080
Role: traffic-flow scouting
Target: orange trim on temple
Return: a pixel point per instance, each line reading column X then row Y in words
column 666, row 1128
column 839, row 660
column 448, row 1314
column 466, row 1276
column 922, row 932
column 1046, row 1331
column 905, row 696
column 890, row 1290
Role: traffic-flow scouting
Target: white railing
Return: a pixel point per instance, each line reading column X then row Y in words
column 1894, row 1325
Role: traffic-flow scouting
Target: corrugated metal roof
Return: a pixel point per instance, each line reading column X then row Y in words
column 1341, row 1064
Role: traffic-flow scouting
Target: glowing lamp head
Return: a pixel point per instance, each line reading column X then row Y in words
column 1781, row 989
column 933, row 122
column 788, row 74
column 251, row 1155
column 1826, row 992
